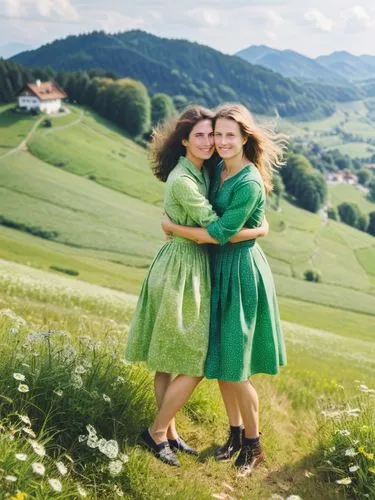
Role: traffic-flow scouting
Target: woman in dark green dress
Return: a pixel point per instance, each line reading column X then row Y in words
column 245, row 329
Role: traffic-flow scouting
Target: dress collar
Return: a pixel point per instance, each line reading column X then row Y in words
column 198, row 174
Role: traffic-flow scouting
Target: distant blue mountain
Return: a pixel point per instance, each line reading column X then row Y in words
column 289, row 63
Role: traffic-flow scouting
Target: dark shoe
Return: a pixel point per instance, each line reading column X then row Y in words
column 180, row 445
column 250, row 456
column 232, row 445
column 161, row 450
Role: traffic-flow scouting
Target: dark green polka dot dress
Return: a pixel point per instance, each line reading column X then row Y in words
column 245, row 330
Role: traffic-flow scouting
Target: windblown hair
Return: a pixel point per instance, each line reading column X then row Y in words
column 166, row 145
column 264, row 147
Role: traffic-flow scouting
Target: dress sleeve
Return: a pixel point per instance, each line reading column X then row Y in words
column 238, row 212
column 187, row 194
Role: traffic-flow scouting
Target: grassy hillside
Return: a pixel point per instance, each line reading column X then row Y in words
column 91, row 188
column 74, row 358
column 338, row 193
column 66, row 334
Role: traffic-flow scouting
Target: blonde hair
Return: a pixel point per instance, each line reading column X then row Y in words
column 264, row 147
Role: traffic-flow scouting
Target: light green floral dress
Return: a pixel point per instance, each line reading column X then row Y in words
column 170, row 328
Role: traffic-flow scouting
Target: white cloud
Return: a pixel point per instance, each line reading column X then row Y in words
column 357, row 19
column 319, row 20
column 62, row 8
column 205, row 16
column 13, row 8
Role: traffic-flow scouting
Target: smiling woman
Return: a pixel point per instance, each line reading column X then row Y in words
column 170, row 327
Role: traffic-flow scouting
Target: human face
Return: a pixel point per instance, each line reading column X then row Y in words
column 200, row 144
column 229, row 141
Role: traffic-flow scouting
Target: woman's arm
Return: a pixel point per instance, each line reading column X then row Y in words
column 200, row 235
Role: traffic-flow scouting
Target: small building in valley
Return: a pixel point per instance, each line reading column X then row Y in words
column 43, row 96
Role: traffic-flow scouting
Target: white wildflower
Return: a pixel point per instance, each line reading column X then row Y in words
column 23, row 388
column 91, row 429
column 25, row 419
column 106, row 398
column 115, row 467
column 80, row 370
column 92, row 442
column 77, row 381
column 10, row 478
column 19, row 376
column 82, row 438
column 350, row 452
column 61, row 467
column 81, row 491
column 293, row 497
column 58, row 392
column 124, row 458
column 332, row 449
column 109, row 448
column 38, row 468
column 344, row 432
column 55, row 484
column 38, row 448
column 29, row 432
column 21, row 456
column 363, row 388
column 345, row 480
column 120, row 380
column 354, row 468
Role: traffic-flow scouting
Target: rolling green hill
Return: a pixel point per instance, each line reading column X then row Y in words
column 91, row 187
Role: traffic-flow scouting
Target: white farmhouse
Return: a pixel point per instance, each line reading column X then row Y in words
column 46, row 96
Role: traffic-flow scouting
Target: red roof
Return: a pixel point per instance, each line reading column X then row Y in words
column 44, row 91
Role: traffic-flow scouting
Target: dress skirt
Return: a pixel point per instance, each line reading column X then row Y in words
column 170, row 327
column 245, row 329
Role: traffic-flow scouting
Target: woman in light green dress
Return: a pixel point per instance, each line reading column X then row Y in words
column 170, row 328
column 245, row 330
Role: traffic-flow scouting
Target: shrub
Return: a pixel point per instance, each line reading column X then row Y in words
column 313, row 275
column 47, row 123
column 71, row 272
column 333, row 213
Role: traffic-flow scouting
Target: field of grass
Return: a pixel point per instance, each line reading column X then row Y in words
column 81, row 212
column 356, row 149
column 106, row 156
column 338, row 193
column 83, row 180
column 13, row 128
column 67, row 342
column 107, row 230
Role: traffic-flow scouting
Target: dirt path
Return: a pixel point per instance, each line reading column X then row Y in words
column 22, row 146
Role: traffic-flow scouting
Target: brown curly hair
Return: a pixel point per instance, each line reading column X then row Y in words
column 264, row 147
column 166, row 146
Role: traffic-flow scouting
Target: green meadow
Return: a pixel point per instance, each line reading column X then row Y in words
column 66, row 300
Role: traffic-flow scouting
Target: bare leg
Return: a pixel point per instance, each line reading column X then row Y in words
column 178, row 392
column 161, row 383
column 247, row 398
column 231, row 404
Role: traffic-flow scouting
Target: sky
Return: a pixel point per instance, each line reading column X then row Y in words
column 311, row 27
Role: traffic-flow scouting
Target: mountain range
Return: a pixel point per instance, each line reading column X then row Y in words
column 197, row 72
column 332, row 68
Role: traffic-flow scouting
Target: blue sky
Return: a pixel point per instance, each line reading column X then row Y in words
column 311, row 27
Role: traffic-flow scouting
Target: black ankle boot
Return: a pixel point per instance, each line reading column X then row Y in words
column 250, row 456
column 232, row 445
